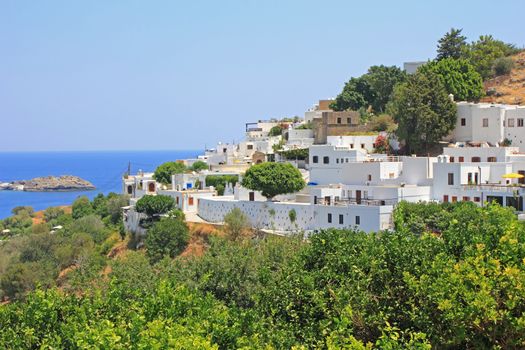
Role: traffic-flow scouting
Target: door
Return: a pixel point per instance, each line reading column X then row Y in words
column 358, row 196
column 251, row 196
column 521, row 180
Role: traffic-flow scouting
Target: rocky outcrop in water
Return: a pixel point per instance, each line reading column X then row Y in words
column 50, row 184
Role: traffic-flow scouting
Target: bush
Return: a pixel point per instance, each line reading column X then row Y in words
column 53, row 213
column 199, row 165
column 503, row 66
column 220, row 181
column 155, row 205
column 237, row 223
column 276, row 131
column 167, row 237
column 82, row 207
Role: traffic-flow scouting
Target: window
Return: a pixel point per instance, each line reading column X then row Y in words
column 341, row 219
column 358, row 220
column 315, row 199
column 451, row 179
column 463, row 122
column 130, row 189
column 190, row 200
column 338, row 120
column 224, row 150
column 520, row 122
column 511, row 123
column 461, row 159
column 352, row 145
column 491, row 159
column 445, row 198
column 469, row 178
column 250, row 147
column 466, row 199
column 177, row 200
column 326, row 160
column 369, row 177
column 476, row 159
column 346, row 160
column 362, row 145
column 329, row 218
column 452, row 159
column 349, row 120
column 315, row 159
column 476, row 199
column 337, row 160
column 454, row 199
column 485, row 122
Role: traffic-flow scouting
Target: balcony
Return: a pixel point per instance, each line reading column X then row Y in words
column 345, row 202
column 512, row 188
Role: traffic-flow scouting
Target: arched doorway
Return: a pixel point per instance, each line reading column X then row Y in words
column 130, row 189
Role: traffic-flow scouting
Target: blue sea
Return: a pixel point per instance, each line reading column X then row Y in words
column 104, row 169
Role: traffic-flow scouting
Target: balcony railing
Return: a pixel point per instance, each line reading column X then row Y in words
column 344, row 202
column 495, row 187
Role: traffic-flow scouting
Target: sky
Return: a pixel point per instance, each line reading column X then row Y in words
column 152, row 75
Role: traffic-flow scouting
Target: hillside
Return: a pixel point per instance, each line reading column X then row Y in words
column 510, row 88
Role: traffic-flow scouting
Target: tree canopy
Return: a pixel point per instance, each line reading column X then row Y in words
column 485, row 51
column 155, row 205
column 459, row 78
column 452, row 45
column 199, row 166
column 164, row 171
column 273, row 179
column 372, row 89
column 423, row 110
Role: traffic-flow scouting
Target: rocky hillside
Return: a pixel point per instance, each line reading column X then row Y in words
column 510, row 88
column 51, row 184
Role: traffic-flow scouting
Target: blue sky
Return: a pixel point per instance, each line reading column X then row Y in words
column 104, row 75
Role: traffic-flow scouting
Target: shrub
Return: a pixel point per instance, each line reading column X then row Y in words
column 503, row 66
column 275, row 131
column 237, row 223
column 199, row 165
column 82, row 207
column 167, row 237
column 53, row 213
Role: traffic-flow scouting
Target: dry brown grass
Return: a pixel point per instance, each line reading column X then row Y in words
column 509, row 89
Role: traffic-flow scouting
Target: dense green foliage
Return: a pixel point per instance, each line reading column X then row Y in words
column 276, row 131
column 155, row 205
column 295, row 154
column 423, row 110
column 81, row 207
column 371, row 90
column 485, row 51
column 164, row 171
column 450, row 276
column 35, row 255
column 167, row 237
column 459, row 78
column 199, row 166
column 452, row 45
column 273, row 179
column 220, row 181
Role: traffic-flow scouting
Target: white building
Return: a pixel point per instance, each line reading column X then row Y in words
column 492, row 123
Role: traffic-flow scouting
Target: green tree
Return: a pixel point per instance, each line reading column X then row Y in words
column 273, row 179
column 23, row 210
column 167, row 237
column 382, row 80
column 164, row 171
column 423, row 110
column 199, row 166
column 81, row 207
column 459, row 78
column 452, row 45
column 485, row 51
column 276, row 131
column 155, row 205
column 53, row 213
column 356, row 94
column 237, row 223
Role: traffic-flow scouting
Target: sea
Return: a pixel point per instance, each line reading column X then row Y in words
column 104, row 169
